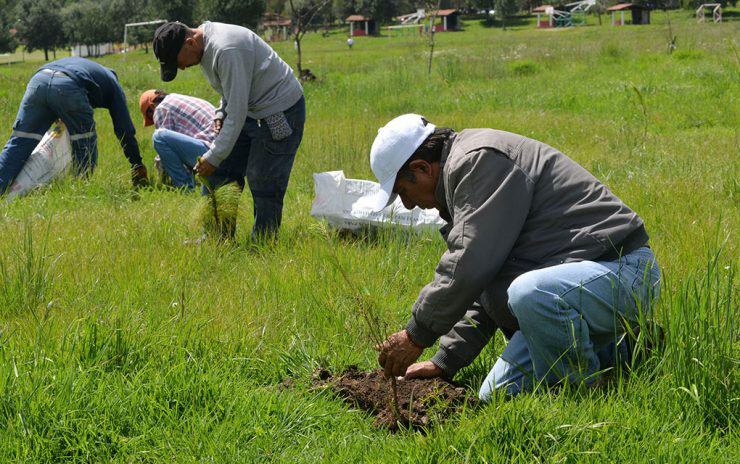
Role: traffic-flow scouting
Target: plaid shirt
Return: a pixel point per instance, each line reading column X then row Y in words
column 186, row 115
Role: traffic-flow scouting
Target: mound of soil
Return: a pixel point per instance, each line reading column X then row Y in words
column 421, row 401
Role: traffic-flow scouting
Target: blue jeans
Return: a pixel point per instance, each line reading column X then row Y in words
column 50, row 95
column 571, row 317
column 178, row 153
column 267, row 164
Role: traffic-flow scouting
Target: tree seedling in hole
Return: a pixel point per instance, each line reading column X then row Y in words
column 376, row 328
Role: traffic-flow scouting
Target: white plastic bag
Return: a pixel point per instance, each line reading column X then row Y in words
column 337, row 201
column 49, row 160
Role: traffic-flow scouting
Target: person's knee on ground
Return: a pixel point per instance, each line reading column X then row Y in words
column 512, row 372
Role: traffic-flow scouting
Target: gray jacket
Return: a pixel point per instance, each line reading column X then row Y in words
column 252, row 79
column 513, row 205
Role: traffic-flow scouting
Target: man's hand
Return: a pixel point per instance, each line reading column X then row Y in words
column 423, row 370
column 204, row 168
column 139, row 176
column 397, row 353
column 217, row 125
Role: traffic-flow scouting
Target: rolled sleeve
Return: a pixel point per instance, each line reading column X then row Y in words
column 221, row 110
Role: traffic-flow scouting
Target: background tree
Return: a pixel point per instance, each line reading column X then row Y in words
column 176, row 10
column 135, row 11
column 276, row 6
column 242, row 12
column 87, row 23
column 431, row 7
column 40, row 25
column 304, row 13
column 379, row 10
column 487, row 5
column 123, row 12
column 344, row 8
column 504, row 9
column 8, row 42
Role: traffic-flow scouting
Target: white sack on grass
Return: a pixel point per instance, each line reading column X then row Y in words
column 49, row 159
column 336, row 201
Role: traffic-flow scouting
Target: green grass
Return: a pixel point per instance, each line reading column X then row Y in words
column 119, row 343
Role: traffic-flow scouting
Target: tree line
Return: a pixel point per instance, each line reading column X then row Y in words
column 52, row 24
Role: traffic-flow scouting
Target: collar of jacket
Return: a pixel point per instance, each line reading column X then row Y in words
column 439, row 192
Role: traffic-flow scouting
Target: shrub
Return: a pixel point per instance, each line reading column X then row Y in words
column 688, row 54
column 524, row 67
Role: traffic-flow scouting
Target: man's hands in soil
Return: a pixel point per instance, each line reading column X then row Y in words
column 398, row 353
column 204, row 168
column 139, row 176
column 423, row 370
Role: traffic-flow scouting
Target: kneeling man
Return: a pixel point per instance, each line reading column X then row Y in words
column 537, row 247
column 185, row 130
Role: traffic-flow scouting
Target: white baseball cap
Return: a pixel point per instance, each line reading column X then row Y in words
column 393, row 146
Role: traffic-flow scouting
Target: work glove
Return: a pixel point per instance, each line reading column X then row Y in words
column 139, row 176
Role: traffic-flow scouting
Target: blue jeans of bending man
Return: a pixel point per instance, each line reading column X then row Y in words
column 571, row 318
column 266, row 164
column 50, row 95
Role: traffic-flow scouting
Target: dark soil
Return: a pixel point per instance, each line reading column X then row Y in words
column 421, row 401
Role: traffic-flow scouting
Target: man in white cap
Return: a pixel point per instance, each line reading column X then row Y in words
column 537, row 247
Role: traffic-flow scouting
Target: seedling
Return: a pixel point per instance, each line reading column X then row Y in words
column 377, row 329
column 217, row 214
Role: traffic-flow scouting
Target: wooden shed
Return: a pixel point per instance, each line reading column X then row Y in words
column 361, row 25
column 275, row 27
column 450, row 20
column 547, row 11
column 640, row 14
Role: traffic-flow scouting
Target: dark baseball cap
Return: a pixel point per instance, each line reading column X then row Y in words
column 168, row 40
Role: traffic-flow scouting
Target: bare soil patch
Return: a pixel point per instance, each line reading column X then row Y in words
column 421, row 401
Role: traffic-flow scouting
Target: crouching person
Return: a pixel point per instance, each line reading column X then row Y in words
column 185, row 130
column 69, row 89
column 537, row 247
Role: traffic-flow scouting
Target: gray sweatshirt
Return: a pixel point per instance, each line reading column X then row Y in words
column 252, row 79
column 513, row 205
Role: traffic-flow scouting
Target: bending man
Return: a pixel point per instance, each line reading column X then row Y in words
column 69, row 89
column 537, row 247
column 260, row 97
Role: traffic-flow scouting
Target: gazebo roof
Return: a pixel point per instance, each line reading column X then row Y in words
column 542, row 8
column 277, row 22
column 355, row 18
column 626, row 6
column 443, row 12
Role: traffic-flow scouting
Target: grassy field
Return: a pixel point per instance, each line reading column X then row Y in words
column 119, row 343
